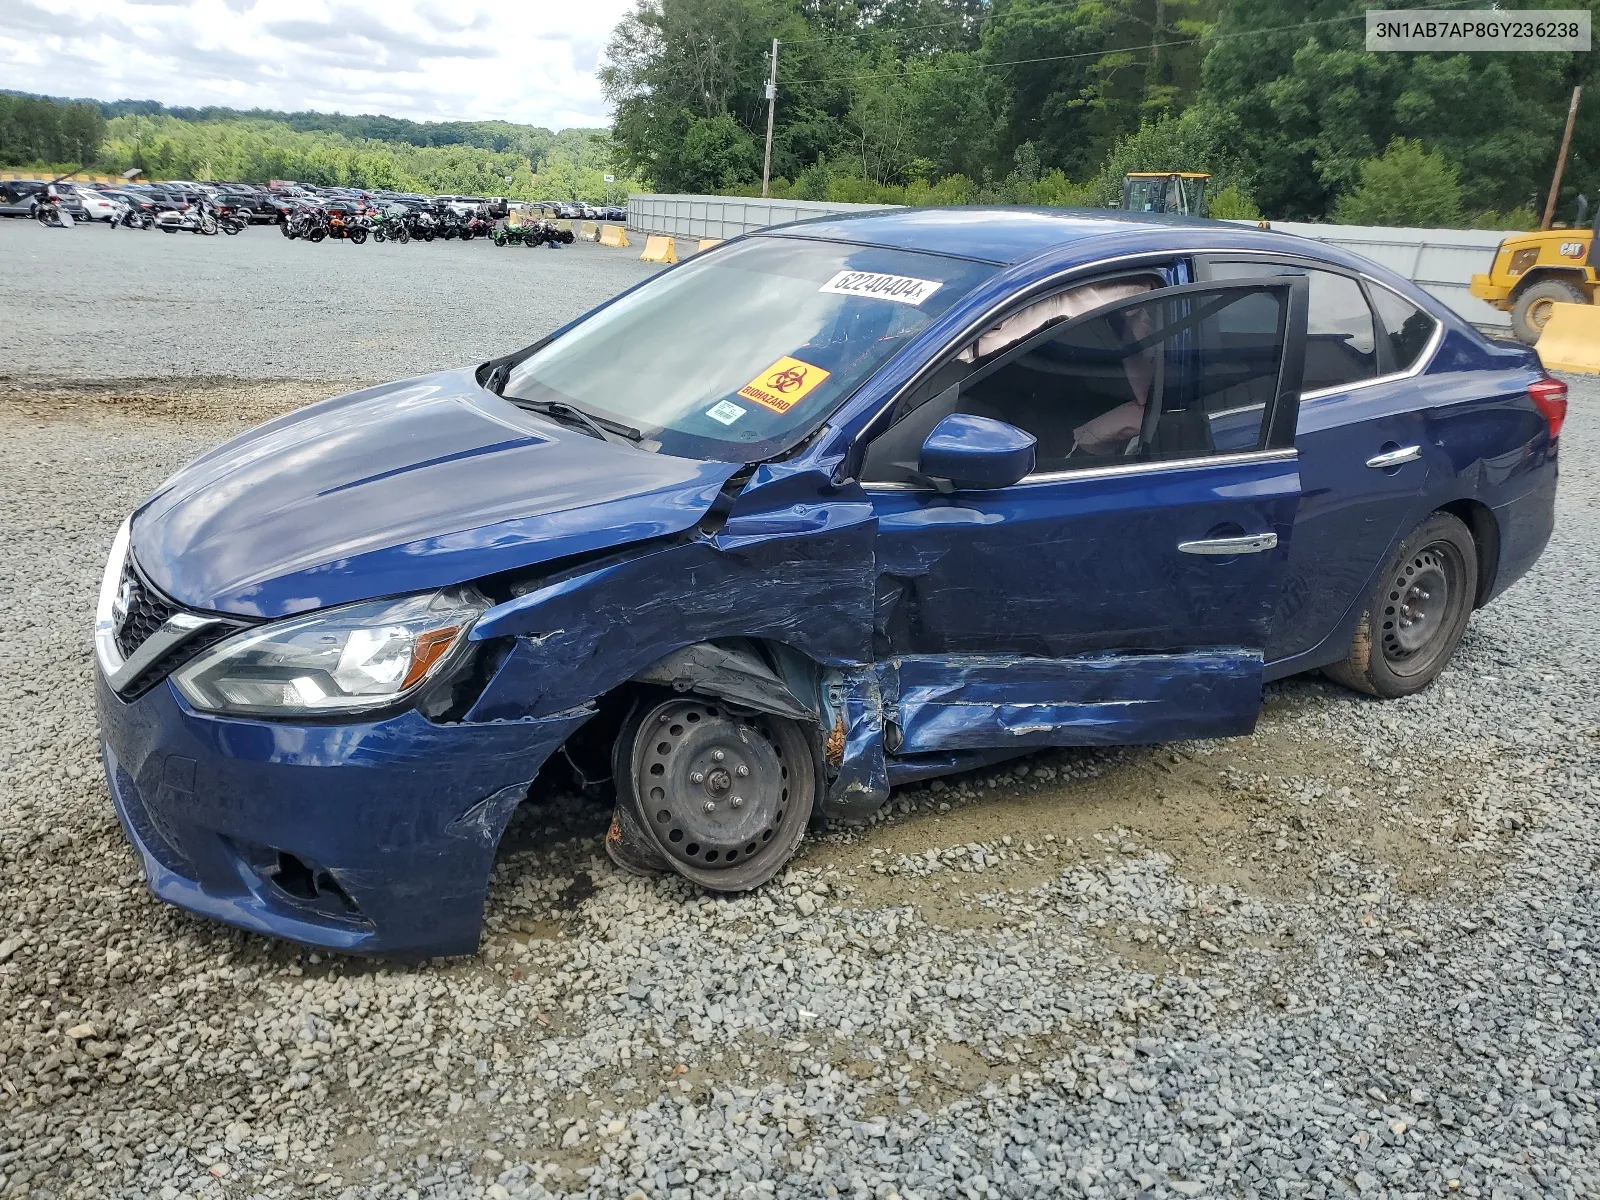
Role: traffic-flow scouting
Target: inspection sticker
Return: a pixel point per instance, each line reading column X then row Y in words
column 783, row 385
column 902, row 289
column 725, row 412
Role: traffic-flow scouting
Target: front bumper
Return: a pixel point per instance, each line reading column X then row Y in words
column 367, row 838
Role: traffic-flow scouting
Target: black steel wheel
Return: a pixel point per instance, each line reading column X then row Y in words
column 723, row 797
column 1417, row 613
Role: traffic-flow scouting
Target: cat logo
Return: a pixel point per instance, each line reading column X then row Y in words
column 1572, row 250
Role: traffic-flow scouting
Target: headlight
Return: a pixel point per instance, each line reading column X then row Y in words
column 106, row 611
column 341, row 660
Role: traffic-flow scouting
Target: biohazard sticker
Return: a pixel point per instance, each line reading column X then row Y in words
column 783, row 385
column 724, row 412
column 902, row 289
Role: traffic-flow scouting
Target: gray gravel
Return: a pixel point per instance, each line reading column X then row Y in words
column 116, row 303
column 1349, row 955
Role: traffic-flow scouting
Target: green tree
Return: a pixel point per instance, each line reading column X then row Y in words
column 1405, row 186
column 1310, row 105
column 38, row 130
column 717, row 154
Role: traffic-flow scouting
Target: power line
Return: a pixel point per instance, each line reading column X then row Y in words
column 834, row 37
column 1021, row 62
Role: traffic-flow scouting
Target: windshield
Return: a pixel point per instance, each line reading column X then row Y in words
column 740, row 354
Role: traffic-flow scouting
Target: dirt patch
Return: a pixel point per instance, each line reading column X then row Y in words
column 1257, row 813
column 190, row 400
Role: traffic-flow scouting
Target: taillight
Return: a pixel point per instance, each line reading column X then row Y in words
column 1549, row 396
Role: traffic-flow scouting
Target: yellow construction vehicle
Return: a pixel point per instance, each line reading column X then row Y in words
column 1165, row 192
column 1533, row 272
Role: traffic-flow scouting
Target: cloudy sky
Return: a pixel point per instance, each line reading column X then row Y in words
column 423, row 59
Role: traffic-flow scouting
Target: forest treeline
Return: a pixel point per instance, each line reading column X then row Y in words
column 947, row 101
column 462, row 157
column 1049, row 101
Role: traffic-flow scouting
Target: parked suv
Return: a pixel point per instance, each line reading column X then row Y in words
column 19, row 197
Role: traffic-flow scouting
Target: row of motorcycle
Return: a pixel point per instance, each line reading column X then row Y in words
column 205, row 217
column 316, row 223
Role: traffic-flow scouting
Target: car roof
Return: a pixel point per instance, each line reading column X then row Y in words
column 1006, row 235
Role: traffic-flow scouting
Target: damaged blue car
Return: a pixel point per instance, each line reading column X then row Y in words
column 826, row 509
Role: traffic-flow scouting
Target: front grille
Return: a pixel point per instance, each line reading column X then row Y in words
column 176, row 657
column 148, row 610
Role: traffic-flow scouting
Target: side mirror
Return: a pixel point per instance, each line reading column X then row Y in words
column 976, row 454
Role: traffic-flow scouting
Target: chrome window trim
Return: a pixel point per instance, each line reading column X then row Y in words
column 1233, row 412
column 1112, row 470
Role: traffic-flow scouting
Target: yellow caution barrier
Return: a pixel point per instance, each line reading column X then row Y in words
column 1571, row 339
column 614, row 235
column 659, row 248
column 589, row 231
column 706, row 244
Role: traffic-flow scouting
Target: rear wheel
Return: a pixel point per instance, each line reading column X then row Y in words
column 1532, row 307
column 358, row 236
column 720, row 797
column 1417, row 613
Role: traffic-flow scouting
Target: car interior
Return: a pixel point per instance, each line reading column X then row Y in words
column 1160, row 379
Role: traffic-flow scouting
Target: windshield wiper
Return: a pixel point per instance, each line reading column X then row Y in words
column 572, row 414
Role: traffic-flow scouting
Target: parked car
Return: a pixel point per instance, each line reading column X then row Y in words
column 253, row 203
column 96, row 205
column 20, row 197
column 908, row 492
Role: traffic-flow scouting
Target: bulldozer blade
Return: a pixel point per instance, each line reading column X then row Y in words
column 1571, row 339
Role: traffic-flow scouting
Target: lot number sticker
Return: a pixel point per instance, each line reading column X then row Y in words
column 784, row 384
column 725, row 412
column 902, row 289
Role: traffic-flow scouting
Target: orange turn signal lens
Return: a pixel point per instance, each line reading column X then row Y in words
column 429, row 649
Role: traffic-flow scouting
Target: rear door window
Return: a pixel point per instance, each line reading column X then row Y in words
column 1405, row 327
column 1341, row 343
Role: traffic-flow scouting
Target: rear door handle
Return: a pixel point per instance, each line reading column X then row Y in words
column 1395, row 458
column 1250, row 543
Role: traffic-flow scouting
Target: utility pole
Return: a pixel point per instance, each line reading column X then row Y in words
column 772, row 100
column 1561, row 160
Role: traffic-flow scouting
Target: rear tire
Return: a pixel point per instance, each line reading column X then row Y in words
column 1417, row 612
column 680, row 762
column 1532, row 307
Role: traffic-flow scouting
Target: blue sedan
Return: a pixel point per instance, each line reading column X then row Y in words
column 829, row 508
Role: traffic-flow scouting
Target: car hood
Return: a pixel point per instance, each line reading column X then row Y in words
column 412, row 485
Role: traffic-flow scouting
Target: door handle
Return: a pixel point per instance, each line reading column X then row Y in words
column 1250, row 543
column 1395, row 458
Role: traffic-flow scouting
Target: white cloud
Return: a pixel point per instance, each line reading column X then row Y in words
column 429, row 60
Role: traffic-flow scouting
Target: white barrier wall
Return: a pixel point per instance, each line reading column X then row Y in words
column 1442, row 261
column 724, row 216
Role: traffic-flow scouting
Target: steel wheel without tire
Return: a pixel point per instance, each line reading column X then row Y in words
column 1532, row 307
column 722, row 798
column 1417, row 613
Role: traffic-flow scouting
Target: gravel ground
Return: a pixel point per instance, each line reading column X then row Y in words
column 1347, row 955
column 129, row 303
